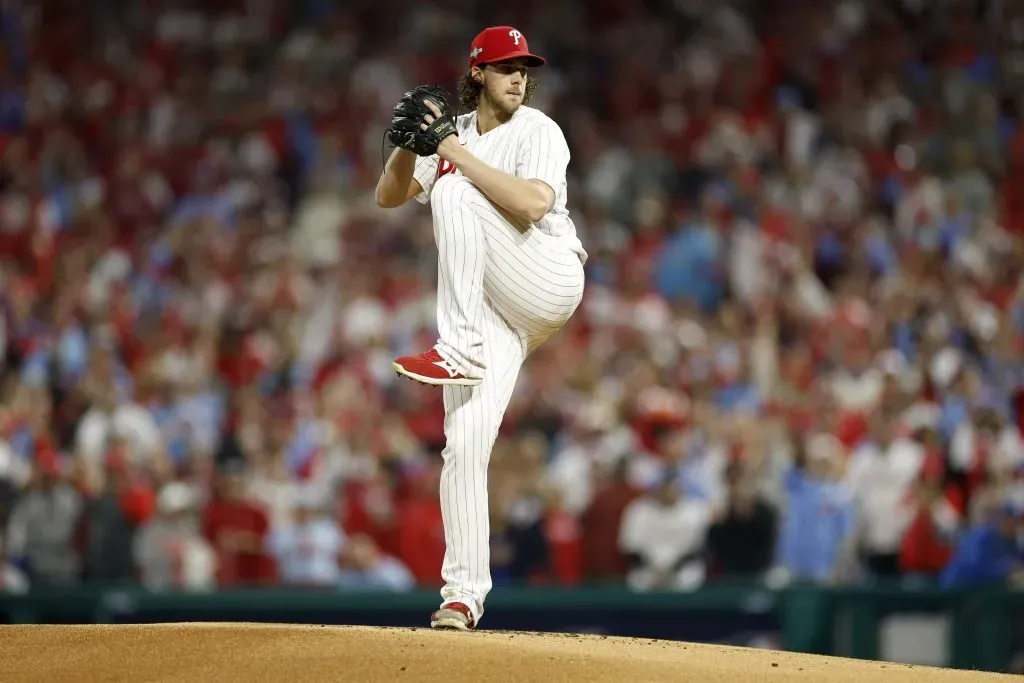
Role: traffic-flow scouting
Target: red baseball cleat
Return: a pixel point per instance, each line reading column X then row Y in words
column 430, row 368
column 454, row 615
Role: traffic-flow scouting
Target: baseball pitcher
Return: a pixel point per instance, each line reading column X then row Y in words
column 510, row 273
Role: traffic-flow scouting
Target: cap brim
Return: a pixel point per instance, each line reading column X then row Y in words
column 530, row 59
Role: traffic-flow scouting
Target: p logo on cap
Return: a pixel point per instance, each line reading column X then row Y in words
column 499, row 44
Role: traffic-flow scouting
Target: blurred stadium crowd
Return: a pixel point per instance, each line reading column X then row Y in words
column 800, row 356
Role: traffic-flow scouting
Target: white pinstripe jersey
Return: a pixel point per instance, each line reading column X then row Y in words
column 531, row 146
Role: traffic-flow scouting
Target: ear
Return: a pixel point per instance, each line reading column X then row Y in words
column 477, row 74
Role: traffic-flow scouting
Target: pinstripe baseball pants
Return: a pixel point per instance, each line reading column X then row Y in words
column 502, row 291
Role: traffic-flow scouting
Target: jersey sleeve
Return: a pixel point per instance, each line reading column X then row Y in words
column 544, row 156
column 425, row 172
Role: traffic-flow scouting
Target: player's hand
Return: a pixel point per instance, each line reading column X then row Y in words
column 444, row 146
column 433, row 116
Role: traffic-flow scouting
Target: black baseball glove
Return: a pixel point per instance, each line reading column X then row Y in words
column 409, row 114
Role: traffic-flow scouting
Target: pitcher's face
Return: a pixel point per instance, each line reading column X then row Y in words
column 504, row 85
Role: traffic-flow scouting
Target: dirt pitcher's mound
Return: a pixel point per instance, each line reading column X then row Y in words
column 215, row 653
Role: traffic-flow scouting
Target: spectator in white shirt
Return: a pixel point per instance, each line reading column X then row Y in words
column 857, row 384
column 594, row 441
column 663, row 536
column 169, row 550
column 308, row 550
column 882, row 473
column 985, row 445
column 12, row 579
column 108, row 420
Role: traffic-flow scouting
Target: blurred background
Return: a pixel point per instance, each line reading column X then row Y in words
column 788, row 412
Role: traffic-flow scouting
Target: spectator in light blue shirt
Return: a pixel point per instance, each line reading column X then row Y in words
column 820, row 519
column 735, row 391
column 365, row 567
column 72, row 352
column 307, row 550
column 689, row 268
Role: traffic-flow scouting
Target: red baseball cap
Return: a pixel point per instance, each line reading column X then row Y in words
column 499, row 43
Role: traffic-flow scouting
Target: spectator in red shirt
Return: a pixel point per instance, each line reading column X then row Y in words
column 421, row 531
column 926, row 548
column 235, row 526
column 602, row 559
column 565, row 543
column 370, row 507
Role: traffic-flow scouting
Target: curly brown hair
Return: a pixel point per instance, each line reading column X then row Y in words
column 469, row 91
